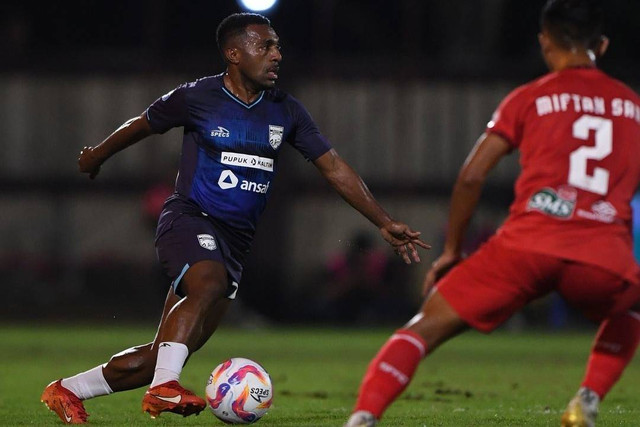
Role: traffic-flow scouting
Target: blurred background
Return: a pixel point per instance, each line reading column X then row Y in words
column 402, row 89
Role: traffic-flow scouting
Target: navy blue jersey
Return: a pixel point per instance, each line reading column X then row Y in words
column 230, row 148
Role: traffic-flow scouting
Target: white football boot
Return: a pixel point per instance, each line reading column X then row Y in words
column 361, row 419
column 582, row 409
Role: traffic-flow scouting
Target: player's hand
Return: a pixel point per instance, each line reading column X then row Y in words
column 439, row 268
column 403, row 239
column 88, row 162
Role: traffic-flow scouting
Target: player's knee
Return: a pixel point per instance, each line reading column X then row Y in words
column 436, row 322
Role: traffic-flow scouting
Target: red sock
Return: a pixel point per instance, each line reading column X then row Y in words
column 390, row 371
column 613, row 349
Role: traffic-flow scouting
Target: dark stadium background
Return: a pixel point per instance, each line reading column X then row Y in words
column 402, row 88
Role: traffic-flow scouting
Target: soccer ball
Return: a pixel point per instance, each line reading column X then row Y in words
column 239, row 391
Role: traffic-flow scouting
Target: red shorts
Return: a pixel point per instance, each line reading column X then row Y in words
column 497, row 281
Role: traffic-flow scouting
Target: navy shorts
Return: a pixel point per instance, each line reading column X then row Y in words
column 185, row 236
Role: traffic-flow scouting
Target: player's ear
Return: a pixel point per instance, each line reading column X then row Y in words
column 602, row 46
column 544, row 41
column 231, row 54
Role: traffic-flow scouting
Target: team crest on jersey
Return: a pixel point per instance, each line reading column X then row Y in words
column 559, row 204
column 207, row 241
column 275, row 136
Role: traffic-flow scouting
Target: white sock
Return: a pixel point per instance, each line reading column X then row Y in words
column 88, row 384
column 171, row 358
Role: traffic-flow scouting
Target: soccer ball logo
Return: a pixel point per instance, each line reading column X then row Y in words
column 239, row 391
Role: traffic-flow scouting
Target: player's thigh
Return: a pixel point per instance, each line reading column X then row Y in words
column 598, row 293
column 206, row 280
column 495, row 282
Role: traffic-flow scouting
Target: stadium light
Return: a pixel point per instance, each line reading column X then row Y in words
column 257, row 5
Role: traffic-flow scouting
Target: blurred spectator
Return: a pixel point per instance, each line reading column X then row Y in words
column 363, row 285
column 153, row 201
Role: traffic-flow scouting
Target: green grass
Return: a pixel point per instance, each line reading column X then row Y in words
column 475, row 380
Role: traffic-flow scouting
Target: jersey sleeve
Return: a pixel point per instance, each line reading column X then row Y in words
column 507, row 119
column 168, row 111
column 306, row 137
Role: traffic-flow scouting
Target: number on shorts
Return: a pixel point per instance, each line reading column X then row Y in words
column 598, row 182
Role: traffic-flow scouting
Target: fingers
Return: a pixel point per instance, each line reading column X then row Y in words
column 414, row 252
column 404, row 241
column 420, row 243
column 407, row 252
column 402, row 251
column 411, row 236
column 411, row 233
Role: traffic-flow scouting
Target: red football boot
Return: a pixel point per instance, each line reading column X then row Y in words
column 171, row 397
column 64, row 403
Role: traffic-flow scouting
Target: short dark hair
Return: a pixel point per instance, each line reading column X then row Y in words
column 574, row 22
column 236, row 24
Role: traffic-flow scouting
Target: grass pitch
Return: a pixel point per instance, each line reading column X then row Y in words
column 475, row 380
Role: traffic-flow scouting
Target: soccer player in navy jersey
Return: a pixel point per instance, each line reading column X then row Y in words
column 567, row 230
column 234, row 126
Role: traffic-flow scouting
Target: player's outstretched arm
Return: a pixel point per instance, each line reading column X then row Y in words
column 132, row 131
column 486, row 153
column 352, row 189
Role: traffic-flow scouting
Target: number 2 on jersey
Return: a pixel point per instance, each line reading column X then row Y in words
column 598, row 182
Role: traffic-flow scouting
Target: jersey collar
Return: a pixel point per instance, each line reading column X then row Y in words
column 241, row 102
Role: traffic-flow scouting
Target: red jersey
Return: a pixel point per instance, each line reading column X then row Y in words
column 578, row 132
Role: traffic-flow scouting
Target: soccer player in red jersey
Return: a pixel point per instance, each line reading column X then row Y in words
column 568, row 229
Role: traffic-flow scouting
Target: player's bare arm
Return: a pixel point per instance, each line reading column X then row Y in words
column 132, row 131
column 352, row 189
column 486, row 153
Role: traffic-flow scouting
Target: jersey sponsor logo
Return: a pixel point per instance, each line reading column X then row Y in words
column 558, row 204
column 275, row 136
column 255, row 187
column 220, row 132
column 228, row 180
column 207, row 241
column 247, row 161
column 601, row 210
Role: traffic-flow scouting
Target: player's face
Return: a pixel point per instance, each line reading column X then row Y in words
column 260, row 56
